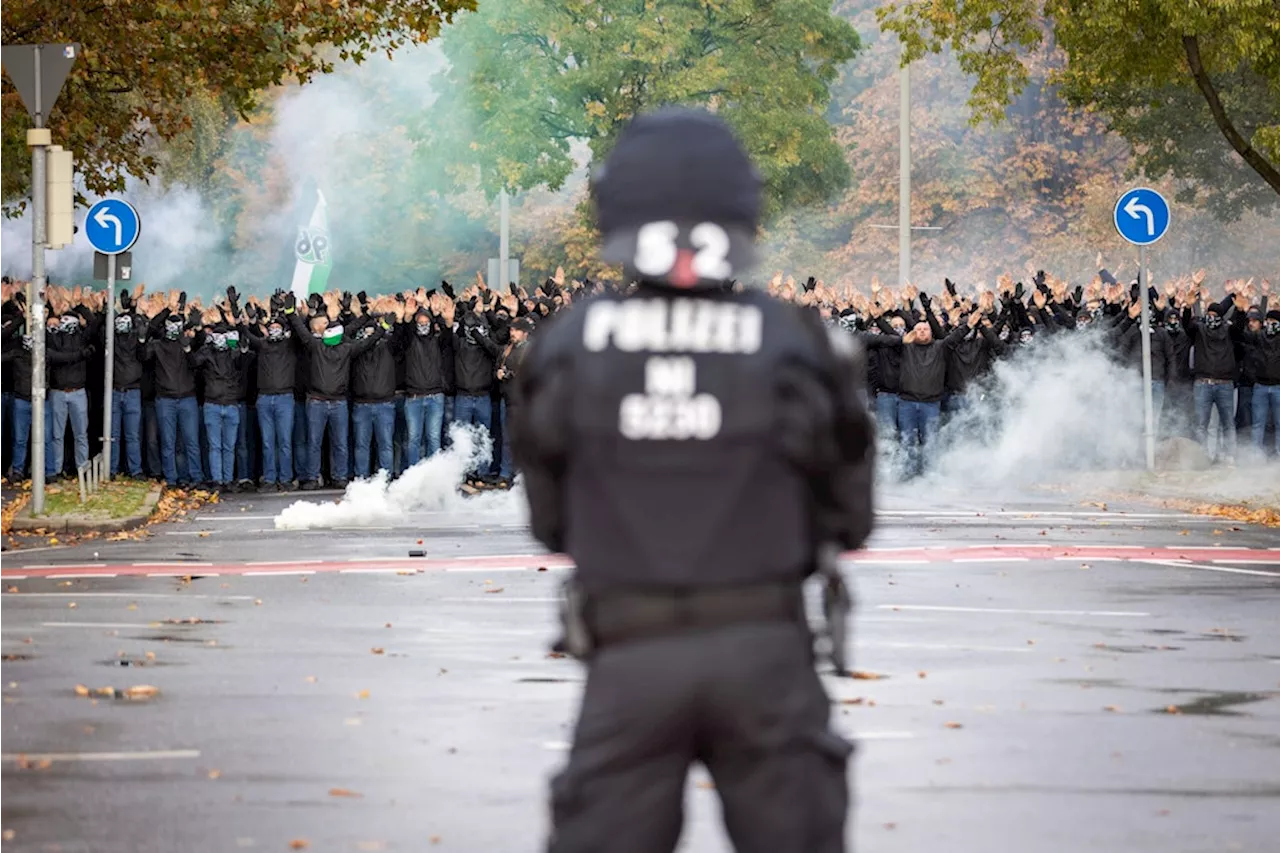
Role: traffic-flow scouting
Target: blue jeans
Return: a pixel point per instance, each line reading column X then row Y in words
column 126, row 428
column 1266, row 407
column 331, row 413
column 887, row 413
column 1220, row 396
column 275, row 423
column 301, row 464
column 508, row 464
column 66, row 406
column 151, row 439
column 918, row 423
column 244, row 449
column 368, row 420
column 474, row 409
column 450, row 404
column 424, row 421
column 397, row 437
column 173, row 413
column 22, row 433
column 221, row 423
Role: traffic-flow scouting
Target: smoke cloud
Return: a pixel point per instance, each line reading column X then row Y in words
column 431, row 485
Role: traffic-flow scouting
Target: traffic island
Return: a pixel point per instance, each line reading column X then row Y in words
column 117, row 505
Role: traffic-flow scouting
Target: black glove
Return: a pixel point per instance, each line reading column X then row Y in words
column 810, row 284
column 1017, row 291
column 1133, row 292
column 20, row 298
column 363, row 299
column 316, row 303
column 1077, row 294
column 277, row 300
column 182, row 302
column 447, row 288
column 400, row 296
column 512, row 289
column 950, row 285
column 344, row 302
column 126, row 300
column 194, row 318
column 925, row 301
column 290, row 302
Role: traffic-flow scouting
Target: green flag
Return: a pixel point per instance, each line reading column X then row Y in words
column 311, row 274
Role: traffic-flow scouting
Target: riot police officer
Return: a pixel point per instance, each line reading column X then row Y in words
column 693, row 449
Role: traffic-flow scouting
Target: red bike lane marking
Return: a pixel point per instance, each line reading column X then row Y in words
column 939, row 555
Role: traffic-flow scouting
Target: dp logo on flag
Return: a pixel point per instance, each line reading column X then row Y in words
column 313, row 245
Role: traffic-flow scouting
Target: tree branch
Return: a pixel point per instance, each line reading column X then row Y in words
column 1256, row 161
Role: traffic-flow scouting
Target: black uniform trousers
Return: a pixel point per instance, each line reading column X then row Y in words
column 746, row 702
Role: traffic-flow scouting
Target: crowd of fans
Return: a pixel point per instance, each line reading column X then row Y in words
column 275, row 392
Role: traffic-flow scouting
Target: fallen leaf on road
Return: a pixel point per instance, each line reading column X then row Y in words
column 311, row 679
column 863, row 675
column 1111, row 708
column 1173, row 709
column 856, row 701
column 953, row 725
column 81, row 690
column 343, row 792
column 142, row 691
column 1031, row 642
column 922, row 674
column 53, row 540
column 257, row 602
column 64, row 583
column 556, row 655
column 363, row 694
column 299, row 844
column 405, row 572
column 204, row 534
column 937, row 701
column 215, row 774
column 72, row 605
column 377, row 651
column 435, row 839
column 495, row 589
column 106, row 691
column 388, row 625
column 12, row 589
column 1184, row 532
column 8, row 835
column 1217, row 533
column 133, row 607
column 890, row 826
column 151, row 655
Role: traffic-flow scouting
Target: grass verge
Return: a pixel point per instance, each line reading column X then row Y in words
column 114, row 499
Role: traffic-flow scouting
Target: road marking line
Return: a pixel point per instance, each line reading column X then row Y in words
column 210, row 519
column 131, row 595
column 15, row 577
column 145, row 755
column 278, row 574
column 281, row 562
column 953, row 609
column 368, row 571
column 485, row 569
column 1080, row 557
column 183, row 574
column 1225, row 569
column 167, row 565
column 68, row 566
column 41, row 548
column 888, row 562
column 372, row 559
column 991, row 560
column 1250, row 562
column 499, row 598
column 63, row 577
column 97, row 625
column 940, row 647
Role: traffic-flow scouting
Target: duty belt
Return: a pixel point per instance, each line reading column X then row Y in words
column 641, row 614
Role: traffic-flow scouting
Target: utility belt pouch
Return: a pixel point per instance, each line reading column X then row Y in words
column 576, row 640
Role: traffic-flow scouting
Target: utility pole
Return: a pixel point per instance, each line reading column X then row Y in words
column 904, row 174
column 38, row 72
column 504, row 241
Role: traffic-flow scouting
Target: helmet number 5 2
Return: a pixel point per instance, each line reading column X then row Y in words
column 656, row 249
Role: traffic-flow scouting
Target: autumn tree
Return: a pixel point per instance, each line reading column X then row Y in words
column 1186, row 83
column 531, row 76
column 147, row 67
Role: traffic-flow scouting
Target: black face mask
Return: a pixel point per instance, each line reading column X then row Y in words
column 1173, row 327
column 1271, row 328
column 1213, row 321
column 172, row 330
column 275, row 333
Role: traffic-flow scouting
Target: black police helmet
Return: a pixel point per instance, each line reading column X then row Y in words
column 677, row 200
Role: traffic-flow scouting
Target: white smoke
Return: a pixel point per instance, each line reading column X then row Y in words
column 431, row 485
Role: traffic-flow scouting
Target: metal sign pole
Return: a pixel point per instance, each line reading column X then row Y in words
column 109, row 380
column 504, row 243
column 39, row 139
column 1148, row 403
column 904, row 175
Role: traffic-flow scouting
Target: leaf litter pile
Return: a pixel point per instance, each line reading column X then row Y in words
column 174, row 505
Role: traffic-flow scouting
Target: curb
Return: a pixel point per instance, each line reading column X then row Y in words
column 25, row 522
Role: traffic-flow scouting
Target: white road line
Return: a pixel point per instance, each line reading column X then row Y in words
column 15, row 577
column 97, row 625
column 950, row 609
column 132, row 595
column 277, row 574
column 68, row 567
column 888, row 562
column 1079, row 557
column 213, row 519
column 1250, row 562
column 282, row 562
column 64, row 577
column 183, row 574
column 167, row 565
column 1225, row 569
column 144, row 755
column 487, row 569
column 991, row 560
column 941, row 647
column 372, row 559
column 369, row 571
column 481, row 598
column 41, row 548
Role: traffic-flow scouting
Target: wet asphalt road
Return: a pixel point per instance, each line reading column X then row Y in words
column 1025, row 704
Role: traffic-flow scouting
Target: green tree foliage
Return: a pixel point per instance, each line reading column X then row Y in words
column 149, row 67
column 530, row 76
column 1167, row 74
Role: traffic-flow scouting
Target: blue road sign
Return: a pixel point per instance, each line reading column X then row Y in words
column 112, row 226
column 1142, row 216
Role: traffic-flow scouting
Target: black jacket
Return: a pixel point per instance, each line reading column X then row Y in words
column 924, row 366
column 1264, row 353
column 68, row 356
column 277, row 362
column 475, row 354
column 373, row 372
column 17, row 363
column 1214, row 356
column 223, row 374
column 127, row 356
column 424, row 358
column 970, row 359
column 329, row 367
column 1163, row 357
column 172, row 363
